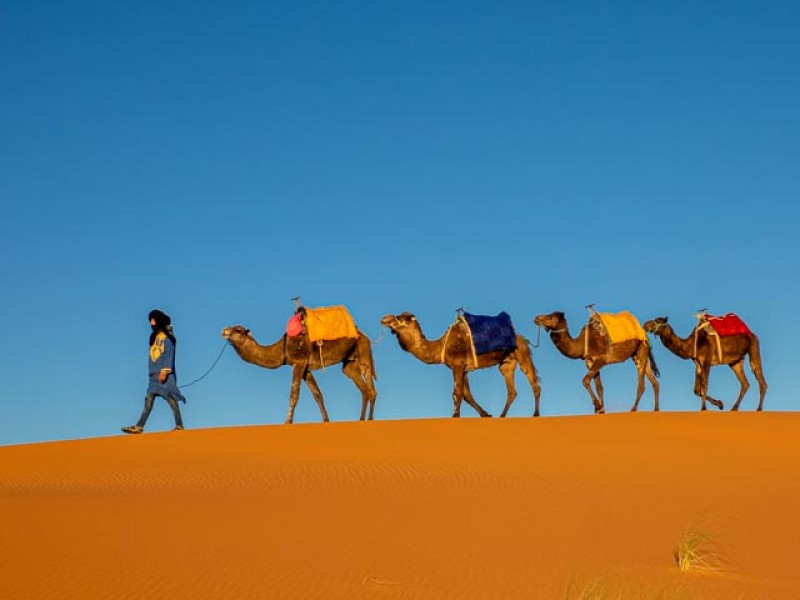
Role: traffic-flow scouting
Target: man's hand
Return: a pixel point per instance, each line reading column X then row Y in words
column 162, row 376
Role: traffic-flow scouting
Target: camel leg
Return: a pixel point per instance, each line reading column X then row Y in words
column 651, row 376
column 738, row 370
column 458, row 391
column 507, row 369
column 353, row 371
column 641, row 365
column 525, row 362
column 702, row 373
column 594, row 372
column 294, row 395
column 311, row 382
column 755, row 365
column 366, row 366
column 699, row 385
column 598, row 385
column 471, row 400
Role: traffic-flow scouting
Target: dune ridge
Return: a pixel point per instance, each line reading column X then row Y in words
column 435, row 508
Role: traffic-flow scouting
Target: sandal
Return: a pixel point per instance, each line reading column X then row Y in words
column 133, row 429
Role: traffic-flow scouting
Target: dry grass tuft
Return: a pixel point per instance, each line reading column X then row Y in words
column 698, row 552
column 595, row 590
column 602, row 589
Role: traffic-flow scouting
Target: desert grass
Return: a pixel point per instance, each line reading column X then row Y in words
column 604, row 589
column 699, row 552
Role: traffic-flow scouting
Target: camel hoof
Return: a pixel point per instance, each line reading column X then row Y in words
column 536, row 414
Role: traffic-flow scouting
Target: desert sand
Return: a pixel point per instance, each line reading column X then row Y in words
column 589, row 507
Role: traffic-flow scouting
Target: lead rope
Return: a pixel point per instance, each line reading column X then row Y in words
column 214, row 364
column 538, row 336
column 444, row 346
column 321, row 361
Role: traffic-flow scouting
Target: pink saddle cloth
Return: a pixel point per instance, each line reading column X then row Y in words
column 294, row 326
column 729, row 324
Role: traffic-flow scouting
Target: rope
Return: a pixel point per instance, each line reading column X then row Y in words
column 224, row 346
column 538, row 336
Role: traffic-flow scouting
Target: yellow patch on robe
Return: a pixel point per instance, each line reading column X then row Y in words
column 157, row 349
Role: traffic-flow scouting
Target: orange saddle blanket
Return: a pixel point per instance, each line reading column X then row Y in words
column 622, row 326
column 329, row 323
column 729, row 324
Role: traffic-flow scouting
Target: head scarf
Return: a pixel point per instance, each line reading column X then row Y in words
column 163, row 324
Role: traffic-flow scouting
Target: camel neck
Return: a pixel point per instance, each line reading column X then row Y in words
column 566, row 344
column 270, row 357
column 415, row 342
column 683, row 347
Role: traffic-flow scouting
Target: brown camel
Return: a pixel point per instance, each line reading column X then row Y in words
column 305, row 357
column 594, row 348
column 455, row 351
column 705, row 353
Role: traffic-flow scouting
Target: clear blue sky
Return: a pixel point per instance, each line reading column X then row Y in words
column 215, row 159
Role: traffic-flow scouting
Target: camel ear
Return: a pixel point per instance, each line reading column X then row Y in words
column 666, row 319
column 247, row 332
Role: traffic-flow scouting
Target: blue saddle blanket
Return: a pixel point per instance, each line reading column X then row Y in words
column 490, row 334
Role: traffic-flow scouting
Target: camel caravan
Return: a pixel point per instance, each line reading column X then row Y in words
column 316, row 338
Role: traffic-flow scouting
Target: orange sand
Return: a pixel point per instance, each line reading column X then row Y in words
column 516, row 508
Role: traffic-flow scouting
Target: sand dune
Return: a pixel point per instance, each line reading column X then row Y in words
column 515, row 508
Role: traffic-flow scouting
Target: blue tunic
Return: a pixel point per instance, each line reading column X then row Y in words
column 162, row 356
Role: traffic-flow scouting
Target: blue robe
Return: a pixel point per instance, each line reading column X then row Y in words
column 162, row 356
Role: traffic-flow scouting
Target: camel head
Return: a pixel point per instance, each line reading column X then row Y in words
column 398, row 323
column 236, row 334
column 657, row 325
column 553, row 321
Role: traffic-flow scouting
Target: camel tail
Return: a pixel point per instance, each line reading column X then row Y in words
column 652, row 359
column 365, row 347
column 524, row 344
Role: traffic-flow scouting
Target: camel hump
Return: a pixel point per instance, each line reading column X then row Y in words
column 729, row 324
column 622, row 326
column 329, row 323
column 491, row 333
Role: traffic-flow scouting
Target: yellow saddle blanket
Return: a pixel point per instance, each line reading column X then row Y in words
column 622, row 326
column 329, row 323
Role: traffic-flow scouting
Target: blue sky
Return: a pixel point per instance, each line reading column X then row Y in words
column 216, row 159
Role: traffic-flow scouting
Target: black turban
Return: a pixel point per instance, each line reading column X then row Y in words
column 163, row 324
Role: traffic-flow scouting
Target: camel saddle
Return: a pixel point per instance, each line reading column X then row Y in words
column 294, row 326
column 618, row 327
column 329, row 323
column 729, row 324
column 717, row 327
column 491, row 333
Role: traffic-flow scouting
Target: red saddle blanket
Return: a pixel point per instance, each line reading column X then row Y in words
column 729, row 324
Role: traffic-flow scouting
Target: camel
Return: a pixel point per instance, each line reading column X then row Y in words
column 304, row 357
column 594, row 348
column 455, row 351
column 705, row 353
